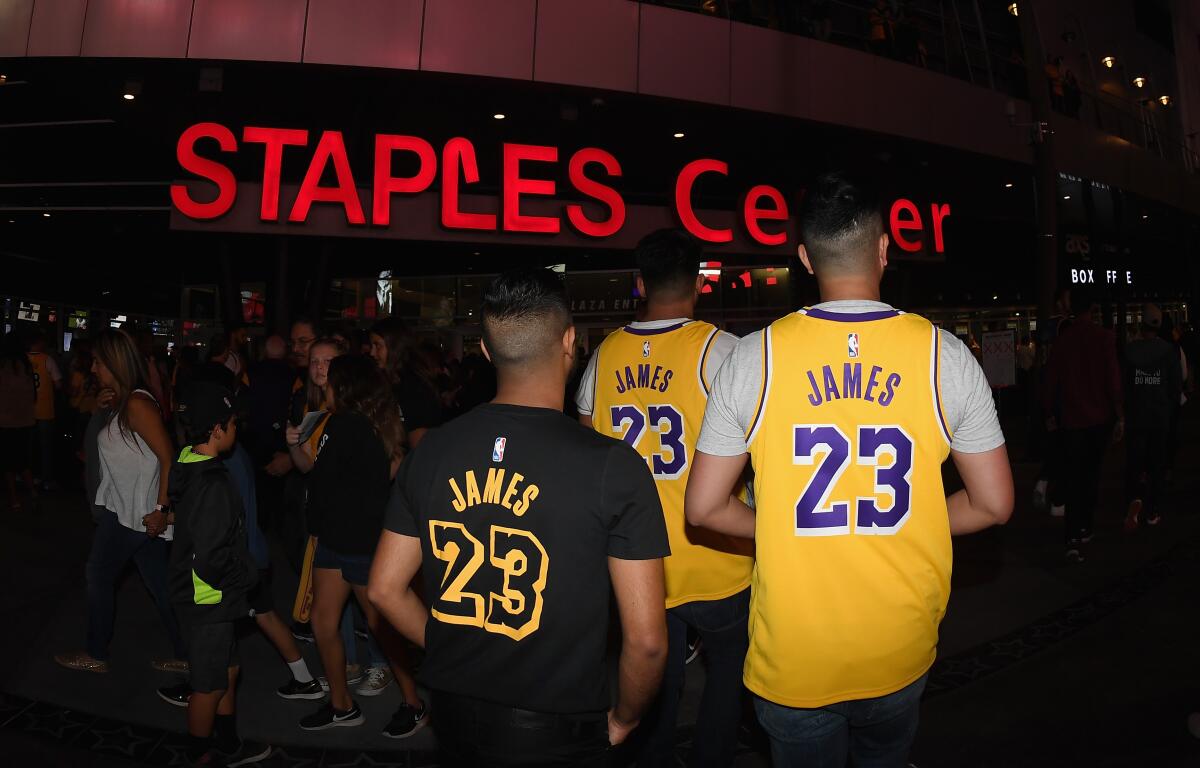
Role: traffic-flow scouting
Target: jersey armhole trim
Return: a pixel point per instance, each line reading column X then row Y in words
column 764, row 387
column 935, row 381
column 703, row 363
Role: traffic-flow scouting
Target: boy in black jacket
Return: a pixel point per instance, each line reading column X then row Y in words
column 210, row 575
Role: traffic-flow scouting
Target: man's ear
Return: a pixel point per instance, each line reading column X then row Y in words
column 883, row 248
column 802, row 252
column 483, row 346
column 641, row 286
column 568, row 341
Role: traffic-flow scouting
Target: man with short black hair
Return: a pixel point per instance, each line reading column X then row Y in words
column 519, row 520
column 848, row 409
column 647, row 384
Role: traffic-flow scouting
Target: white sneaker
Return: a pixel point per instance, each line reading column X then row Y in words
column 375, row 681
column 354, row 676
column 1058, row 510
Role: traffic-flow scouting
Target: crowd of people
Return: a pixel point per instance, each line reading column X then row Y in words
column 778, row 497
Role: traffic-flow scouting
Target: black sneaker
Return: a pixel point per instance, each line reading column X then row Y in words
column 693, row 646
column 248, row 753
column 176, row 694
column 302, row 631
column 407, row 721
column 297, row 690
column 328, row 717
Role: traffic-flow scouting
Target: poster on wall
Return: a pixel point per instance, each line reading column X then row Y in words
column 1000, row 358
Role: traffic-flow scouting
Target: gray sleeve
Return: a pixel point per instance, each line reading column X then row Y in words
column 967, row 399
column 733, row 400
column 585, row 397
column 722, row 347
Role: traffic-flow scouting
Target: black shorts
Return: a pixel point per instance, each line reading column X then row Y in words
column 16, row 448
column 262, row 598
column 212, row 650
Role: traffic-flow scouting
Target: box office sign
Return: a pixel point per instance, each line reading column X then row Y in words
column 528, row 201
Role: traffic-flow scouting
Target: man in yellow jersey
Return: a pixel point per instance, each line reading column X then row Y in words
column 47, row 380
column 647, row 384
column 847, row 411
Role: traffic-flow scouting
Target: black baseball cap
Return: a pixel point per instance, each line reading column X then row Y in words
column 203, row 405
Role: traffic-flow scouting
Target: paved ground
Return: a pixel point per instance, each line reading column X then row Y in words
column 1041, row 664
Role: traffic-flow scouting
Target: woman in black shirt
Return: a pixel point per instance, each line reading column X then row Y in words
column 412, row 376
column 356, row 459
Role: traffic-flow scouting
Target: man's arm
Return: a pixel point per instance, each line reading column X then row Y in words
column 389, row 589
column 709, row 501
column 987, row 499
column 641, row 597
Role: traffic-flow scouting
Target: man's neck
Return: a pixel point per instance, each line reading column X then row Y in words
column 205, row 449
column 669, row 310
column 532, row 388
column 848, row 289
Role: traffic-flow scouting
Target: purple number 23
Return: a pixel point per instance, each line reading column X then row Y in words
column 817, row 515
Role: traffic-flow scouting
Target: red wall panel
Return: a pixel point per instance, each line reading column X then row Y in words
column 256, row 30
column 683, row 55
column 378, row 33
column 769, row 71
column 15, row 16
column 57, row 27
column 479, row 37
column 137, row 28
column 592, row 44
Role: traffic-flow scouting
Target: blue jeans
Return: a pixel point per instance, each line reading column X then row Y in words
column 113, row 545
column 722, row 627
column 870, row 733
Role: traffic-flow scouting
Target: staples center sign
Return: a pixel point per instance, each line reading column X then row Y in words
column 592, row 172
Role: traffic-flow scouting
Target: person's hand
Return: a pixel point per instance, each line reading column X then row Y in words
column 292, row 435
column 105, row 397
column 279, row 465
column 1119, row 431
column 618, row 731
column 155, row 522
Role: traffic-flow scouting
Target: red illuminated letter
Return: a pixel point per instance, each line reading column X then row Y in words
column 753, row 214
column 683, row 200
column 386, row 184
column 218, row 174
column 594, row 189
column 460, row 153
column 274, row 140
column 910, row 221
column 515, row 186
column 940, row 212
column 329, row 147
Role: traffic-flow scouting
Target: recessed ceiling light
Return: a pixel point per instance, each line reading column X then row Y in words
column 128, row 97
column 1109, row 61
column 499, row 116
column 678, row 135
column 1008, row 185
column 1139, row 81
column 1066, row 197
column 1165, row 100
column 1145, row 216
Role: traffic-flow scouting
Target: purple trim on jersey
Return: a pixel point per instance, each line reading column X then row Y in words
column 937, row 384
column 704, row 360
column 851, row 317
column 654, row 331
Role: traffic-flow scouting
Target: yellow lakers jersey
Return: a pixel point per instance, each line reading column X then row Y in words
column 43, row 408
column 651, row 392
column 853, row 540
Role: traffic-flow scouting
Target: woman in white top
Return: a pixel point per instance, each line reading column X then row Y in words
column 135, row 457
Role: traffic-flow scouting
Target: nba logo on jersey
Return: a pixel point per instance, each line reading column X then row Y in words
column 646, row 349
column 852, row 345
column 498, row 449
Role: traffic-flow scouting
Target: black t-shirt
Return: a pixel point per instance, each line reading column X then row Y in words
column 419, row 403
column 349, row 485
column 518, row 510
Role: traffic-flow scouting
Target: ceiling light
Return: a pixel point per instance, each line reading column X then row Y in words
column 1008, row 185
column 1109, row 61
column 996, row 297
column 1165, row 100
column 678, row 135
column 3, row 79
column 1139, row 81
column 499, row 116
column 1012, row 8
column 1145, row 215
column 128, row 97
column 46, row 215
column 1066, row 197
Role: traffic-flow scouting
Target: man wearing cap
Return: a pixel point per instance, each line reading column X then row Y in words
column 1153, row 378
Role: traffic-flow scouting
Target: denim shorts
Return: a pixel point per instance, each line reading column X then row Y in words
column 355, row 569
